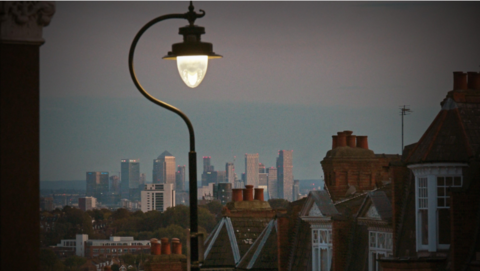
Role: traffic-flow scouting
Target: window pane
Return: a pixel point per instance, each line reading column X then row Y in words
column 444, row 226
column 324, row 259
column 315, row 236
column 423, row 214
column 441, row 202
column 457, row 181
column 440, row 181
column 381, row 240
column 372, row 239
column 389, row 241
column 440, row 191
column 323, row 236
column 449, row 181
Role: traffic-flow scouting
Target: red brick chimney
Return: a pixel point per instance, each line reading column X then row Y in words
column 348, row 133
column 259, row 194
column 341, row 139
column 107, row 268
column 237, row 194
column 351, row 141
column 248, row 193
column 362, row 142
column 155, row 247
column 176, row 246
column 165, row 246
column 334, row 142
column 473, row 80
column 459, row 80
column 282, row 243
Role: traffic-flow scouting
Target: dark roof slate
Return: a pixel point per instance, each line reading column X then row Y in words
column 301, row 253
column 221, row 248
column 382, row 204
column 453, row 136
column 324, row 202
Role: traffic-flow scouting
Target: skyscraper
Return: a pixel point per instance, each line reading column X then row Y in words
column 251, row 169
column 180, row 179
column 261, row 168
column 130, row 176
column 285, row 174
column 230, row 173
column 207, row 171
column 272, row 183
column 157, row 197
column 164, row 169
column 296, row 190
column 97, row 184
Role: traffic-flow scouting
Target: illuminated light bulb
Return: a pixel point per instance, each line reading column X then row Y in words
column 192, row 69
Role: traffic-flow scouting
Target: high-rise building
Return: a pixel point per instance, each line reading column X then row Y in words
column 230, row 173
column 207, row 171
column 130, row 177
column 115, row 184
column 157, row 197
column 143, row 179
column 272, row 183
column 219, row 176
column 97, row 184
column 296, row 190
column 87, row 203
column 223, row 192
column 285, row 174
column 261, row 168
column 164, row 168
column 180, row 179
column 251, row 169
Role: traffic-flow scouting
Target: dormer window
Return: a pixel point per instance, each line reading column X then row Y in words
column 432, row 203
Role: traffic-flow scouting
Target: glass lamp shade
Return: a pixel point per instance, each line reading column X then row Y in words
column 192, row 69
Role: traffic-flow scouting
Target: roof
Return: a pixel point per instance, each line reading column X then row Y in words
column 221, row 249
column 379, row 200
column 165, row 153
column 324, row 202
column 453, row 136
column 347, row 152
column 262, row 255
column 301, row 251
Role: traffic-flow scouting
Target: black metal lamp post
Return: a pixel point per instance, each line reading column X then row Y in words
column 192, row 61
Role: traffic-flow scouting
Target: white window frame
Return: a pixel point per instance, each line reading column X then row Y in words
column 431, row 172
column 321, row 239
column 375, row 249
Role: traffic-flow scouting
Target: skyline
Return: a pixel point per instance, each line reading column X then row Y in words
column 293, row 74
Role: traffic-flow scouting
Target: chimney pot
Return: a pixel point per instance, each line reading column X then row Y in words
column 341, row 139
column 259, row 194
column 362, row 142
column 166, row 246
column 334, row 142
column 473, row 80
column 248, row 192
column 348, row 133
column 351, row 141
column 155, row 248
column 176, row 246
column 459, row 80
column 237, row 194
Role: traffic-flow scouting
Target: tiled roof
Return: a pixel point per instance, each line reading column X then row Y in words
column 358, row 249
column 382, row 204
column 221, row 249
column 453, row 136
column 301, row 253
column 262, row 255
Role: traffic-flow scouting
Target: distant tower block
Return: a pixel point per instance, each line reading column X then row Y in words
column 164, row 168
column 251, row 169
column 285, row 174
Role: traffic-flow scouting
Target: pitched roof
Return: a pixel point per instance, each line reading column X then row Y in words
column 453, row 136
column 221, row 249
column 262, row 255
column 322, row 201
column 165, row 153
column 379, row 200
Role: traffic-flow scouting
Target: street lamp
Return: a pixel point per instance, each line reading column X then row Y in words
column 192, row 62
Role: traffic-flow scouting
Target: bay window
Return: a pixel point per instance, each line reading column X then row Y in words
column 321, row 249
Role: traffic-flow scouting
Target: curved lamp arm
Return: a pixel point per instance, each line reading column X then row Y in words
column 139, row 86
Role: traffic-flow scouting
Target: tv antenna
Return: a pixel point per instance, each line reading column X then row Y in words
column 404, row 110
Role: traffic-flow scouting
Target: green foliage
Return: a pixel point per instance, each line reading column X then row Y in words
column 120, row 213
column 115, row 267
column 206, row 219
column 215, row 207
column 48, row 259
column 128, row 259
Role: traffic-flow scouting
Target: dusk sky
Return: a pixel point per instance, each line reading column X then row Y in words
column 293, row 74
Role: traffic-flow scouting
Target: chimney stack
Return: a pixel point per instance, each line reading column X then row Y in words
column 351, row 141
column 155, row 247
column 176, row 246
column 334, row 142
column 341, row 139
column 259, row 194
column 362, row 142
column 459, row 80
column 248, row 192
column 474, row 80
column 237, row 194
column 165, row 246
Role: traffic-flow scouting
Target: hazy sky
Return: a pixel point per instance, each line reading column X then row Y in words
column 293, row 74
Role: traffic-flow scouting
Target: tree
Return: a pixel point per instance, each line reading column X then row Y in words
column 128, row 259
column 206, row 219
column 74, row 261
column 48, row 259
column 115, row 267
column 120, row 213
column 215, row 207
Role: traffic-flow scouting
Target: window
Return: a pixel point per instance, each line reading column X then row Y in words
column 321, row 249
column 443, row 208
column 380, row 246
column 423, row 210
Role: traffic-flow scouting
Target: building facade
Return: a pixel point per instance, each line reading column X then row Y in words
column 251, row 169
column 157, row 197
column 230, row 173
column 272, row 183
column 130, row 176
column 87, row 203
column 180, row 185
column 97, row 184
column 164, row 169
column 285, row 174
